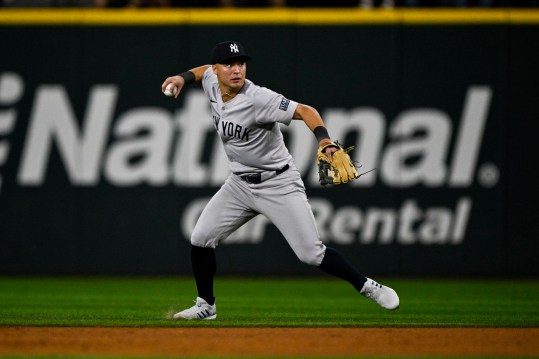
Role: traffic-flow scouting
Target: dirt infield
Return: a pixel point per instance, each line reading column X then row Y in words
column 270, row 341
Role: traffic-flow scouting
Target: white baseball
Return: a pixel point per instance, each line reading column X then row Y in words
column 170, row 90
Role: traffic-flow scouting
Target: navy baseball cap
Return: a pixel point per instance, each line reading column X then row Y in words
column 227, row 51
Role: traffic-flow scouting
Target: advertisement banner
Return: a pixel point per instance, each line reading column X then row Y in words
column 102, row 174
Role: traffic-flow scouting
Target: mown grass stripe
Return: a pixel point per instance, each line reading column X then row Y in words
column 264, row 302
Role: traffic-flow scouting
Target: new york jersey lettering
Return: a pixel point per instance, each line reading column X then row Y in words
column 230, row 129
column 216, row 120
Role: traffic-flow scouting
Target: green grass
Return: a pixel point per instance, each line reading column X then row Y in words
column 251, row 357
column 264, row 302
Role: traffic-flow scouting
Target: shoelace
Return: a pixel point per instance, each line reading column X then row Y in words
column 372, row 292
column 194, row 309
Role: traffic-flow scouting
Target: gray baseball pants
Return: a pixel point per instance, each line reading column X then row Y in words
column 281, row 199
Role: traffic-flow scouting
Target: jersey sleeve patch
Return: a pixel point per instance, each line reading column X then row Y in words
column 284, row 104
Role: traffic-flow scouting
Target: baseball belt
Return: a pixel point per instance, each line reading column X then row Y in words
column 255, row 178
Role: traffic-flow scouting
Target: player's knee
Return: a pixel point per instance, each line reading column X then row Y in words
column 202, row 243
column 200, row 240
column 311, row 258
column 310, row 261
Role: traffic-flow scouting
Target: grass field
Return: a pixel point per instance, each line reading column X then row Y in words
column 255, row 303
column 263, row 302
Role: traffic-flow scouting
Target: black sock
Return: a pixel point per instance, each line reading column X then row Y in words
column 204, row 267
column 335, row 264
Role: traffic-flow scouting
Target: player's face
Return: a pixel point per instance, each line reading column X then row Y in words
column 231, row 75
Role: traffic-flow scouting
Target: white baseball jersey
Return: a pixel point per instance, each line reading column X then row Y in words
column 249, row 125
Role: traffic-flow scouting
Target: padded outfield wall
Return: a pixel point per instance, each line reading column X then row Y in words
column 102, row 174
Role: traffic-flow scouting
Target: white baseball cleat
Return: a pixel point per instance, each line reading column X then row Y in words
column 201, row 310
column 384, row 296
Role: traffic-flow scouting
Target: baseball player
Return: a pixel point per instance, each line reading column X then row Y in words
column 263, row 180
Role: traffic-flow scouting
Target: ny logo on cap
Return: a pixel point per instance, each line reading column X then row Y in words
column 234, row 48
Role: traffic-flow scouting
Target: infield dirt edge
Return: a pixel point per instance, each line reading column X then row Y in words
column 269, row 341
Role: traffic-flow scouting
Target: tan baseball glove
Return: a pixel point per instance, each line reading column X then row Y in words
column 339, row 169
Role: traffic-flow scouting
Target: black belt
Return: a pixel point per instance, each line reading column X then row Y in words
column 256, row 178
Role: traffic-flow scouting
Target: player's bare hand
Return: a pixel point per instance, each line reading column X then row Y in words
column 330, row 150
column 176, row 81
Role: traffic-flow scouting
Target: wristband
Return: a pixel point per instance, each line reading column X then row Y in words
column 188, row 76
column 321, row 133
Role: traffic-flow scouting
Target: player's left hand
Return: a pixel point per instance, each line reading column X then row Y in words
column 335, row 165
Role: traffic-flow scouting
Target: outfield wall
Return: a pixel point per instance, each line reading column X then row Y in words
column 102, row 174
